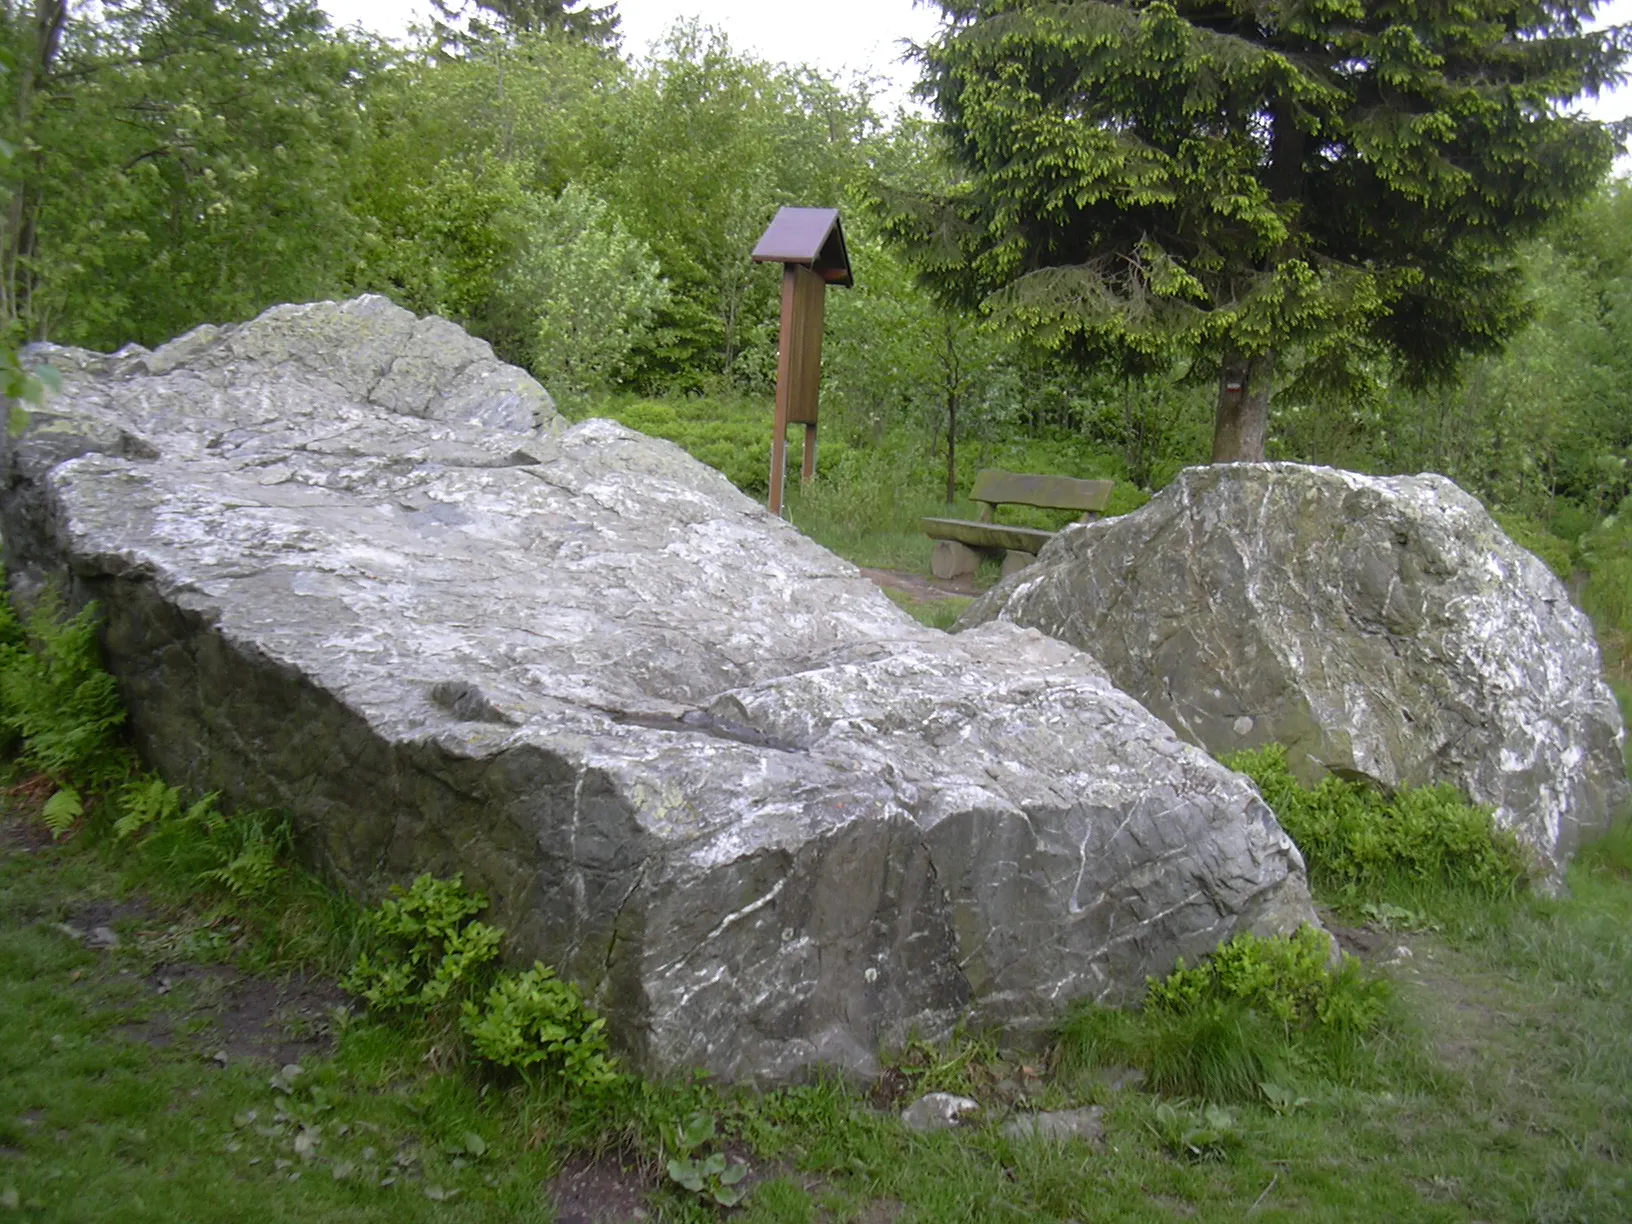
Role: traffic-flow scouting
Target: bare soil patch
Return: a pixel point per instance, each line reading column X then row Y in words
column 226, row 1012
column 605, row 1189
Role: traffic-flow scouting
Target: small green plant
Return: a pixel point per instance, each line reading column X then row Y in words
column 961, row 1064
column 535, row 1019
column 429, row 946
column 250, row 847
column 1281, row 1099
column 1286, row 977
column 145, row 802
column 1362, row 843
column 1208, row 1133
column 1387, row 916
column 244, row 854
column 707, row 1174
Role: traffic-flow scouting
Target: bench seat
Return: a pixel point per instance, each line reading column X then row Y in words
column 960, row 543
column 986, row 535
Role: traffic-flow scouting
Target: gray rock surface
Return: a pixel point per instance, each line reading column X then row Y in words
column 1385, row 627
column 353, row 568
column 1056, row 1126
column 938, row 1111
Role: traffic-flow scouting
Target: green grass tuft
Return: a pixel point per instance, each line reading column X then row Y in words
column 1257, row 1011
column 936, row 613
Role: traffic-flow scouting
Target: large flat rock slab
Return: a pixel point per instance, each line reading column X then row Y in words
column 1383, row 627
column 352, row 568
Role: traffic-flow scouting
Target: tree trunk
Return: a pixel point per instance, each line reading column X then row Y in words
column 953, row 383
column 1242, row 418
column 33, row 79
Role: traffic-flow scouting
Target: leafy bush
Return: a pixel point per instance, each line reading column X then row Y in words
column 57, row 704
column 431, row 952
column 1606, row 553
column 1363, row 843
column 534, row 1018
column 588, row 286
column 429, row 946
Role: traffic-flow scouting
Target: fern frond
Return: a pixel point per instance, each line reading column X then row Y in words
column 62, row 810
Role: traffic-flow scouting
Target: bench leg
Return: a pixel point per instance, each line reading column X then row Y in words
column 950, row 559
column 1014, row 561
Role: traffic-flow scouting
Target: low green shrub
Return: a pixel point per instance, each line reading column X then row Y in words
column 429, row 952
column 1286, row 977
column 535, row 1019
column 428, row 946
column 1364, row 844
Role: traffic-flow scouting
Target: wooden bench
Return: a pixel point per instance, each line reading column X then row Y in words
column 960, row 544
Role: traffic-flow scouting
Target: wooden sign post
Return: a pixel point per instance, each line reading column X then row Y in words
column 809, row 242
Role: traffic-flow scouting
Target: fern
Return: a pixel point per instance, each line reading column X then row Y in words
column 250, row 848
column 144, row 802
column 55, row 697
column 62, row 810
column 1364, row 844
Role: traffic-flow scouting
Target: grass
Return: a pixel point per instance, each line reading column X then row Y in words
column 936, row 613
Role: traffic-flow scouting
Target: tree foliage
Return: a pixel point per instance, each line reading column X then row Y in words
column 1291, row 187
column 589, row 287
column 179, row 160
column 186, row 161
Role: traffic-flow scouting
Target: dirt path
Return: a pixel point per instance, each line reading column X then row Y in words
column 922, row 587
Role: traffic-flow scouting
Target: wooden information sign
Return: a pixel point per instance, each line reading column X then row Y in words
column 809, row 242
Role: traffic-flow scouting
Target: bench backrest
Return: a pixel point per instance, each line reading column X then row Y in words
column 999, row 488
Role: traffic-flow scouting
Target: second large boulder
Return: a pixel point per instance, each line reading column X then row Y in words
column 1382, row 627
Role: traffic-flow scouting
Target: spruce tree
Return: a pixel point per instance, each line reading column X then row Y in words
column 1270, row 188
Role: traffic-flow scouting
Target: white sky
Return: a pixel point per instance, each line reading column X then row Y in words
column 840, row 36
